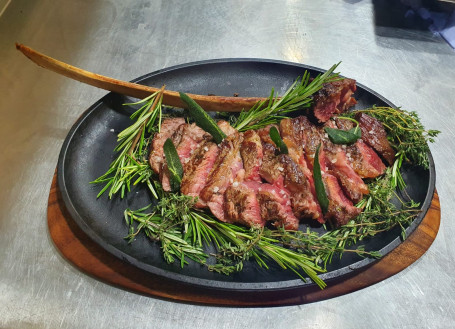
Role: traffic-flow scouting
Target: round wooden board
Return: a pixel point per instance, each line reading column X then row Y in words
column 85, row 254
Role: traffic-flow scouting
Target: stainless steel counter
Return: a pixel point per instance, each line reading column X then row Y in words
column 126, row 39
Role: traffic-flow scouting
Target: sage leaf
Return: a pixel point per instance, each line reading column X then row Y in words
column 174, row 165
column 202, row 118
column 338, row 136
column 319, row 184
column 276, row 138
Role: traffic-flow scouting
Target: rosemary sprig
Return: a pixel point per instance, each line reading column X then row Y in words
column 273, row 109
column 131, row 165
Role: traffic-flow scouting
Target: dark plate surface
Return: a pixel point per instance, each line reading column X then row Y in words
column 88, row 151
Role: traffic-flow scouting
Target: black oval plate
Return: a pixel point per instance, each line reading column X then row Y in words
column 88, row 151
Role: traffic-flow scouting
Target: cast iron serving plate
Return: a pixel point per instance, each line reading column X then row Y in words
column 88, row 151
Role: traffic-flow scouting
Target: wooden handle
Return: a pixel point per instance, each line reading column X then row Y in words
column 170, row 98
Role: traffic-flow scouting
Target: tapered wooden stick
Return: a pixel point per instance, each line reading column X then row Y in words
column 170, row 98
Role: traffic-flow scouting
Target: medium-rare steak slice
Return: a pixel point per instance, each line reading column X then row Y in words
column 168, row 127
column 191, row 137
column 228, row 168
column 375, row 136
column 251, row 153
column 275, row 205
column 339, row 164
column 242, row 206
column 283, row 172
column 333, row 98
column 341, row 209
column 364, row 160
column 197, row 170
column 291, row 134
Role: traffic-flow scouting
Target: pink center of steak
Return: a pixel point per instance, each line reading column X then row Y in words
column 375, row 136
column 168, row 127
column 333, row 98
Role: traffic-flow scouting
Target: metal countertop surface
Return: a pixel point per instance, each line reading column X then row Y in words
column 125, row 39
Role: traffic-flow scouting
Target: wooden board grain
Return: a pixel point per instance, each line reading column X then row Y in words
column 93, row 260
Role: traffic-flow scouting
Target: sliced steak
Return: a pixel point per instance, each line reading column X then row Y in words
column 251, row 153
column 333, row 98
column 292, row 135
column 284, row 173
column 242, row 206
column 341, row 209
column 364, row 160
column 197, row 170
column 191, row 137
column 274, row 204
column 168, row 127
column 228, row 168
column 375, row 136
column 339, row 164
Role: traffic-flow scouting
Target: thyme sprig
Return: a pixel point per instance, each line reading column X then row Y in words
column 275, row 108
column 131, row 167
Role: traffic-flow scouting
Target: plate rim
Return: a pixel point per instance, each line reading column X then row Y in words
column 215, row 284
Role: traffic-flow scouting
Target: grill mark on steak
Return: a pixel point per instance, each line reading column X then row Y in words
column 375, row 136
column 197, row 170
column 251, row 153
column 333, row 98
column 168, row 127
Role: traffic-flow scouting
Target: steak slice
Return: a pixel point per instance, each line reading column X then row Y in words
column 197, row 170
column 251, row 153
column 168, row 127
column 242, row 206
column 341, row 209
column 364, row 160
column 228, row 168
column 375, row 136
column 333, row 98
column 191, row 136
column 292, row 136
column 284, row 173
column 275, row 205
column 353, row 185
